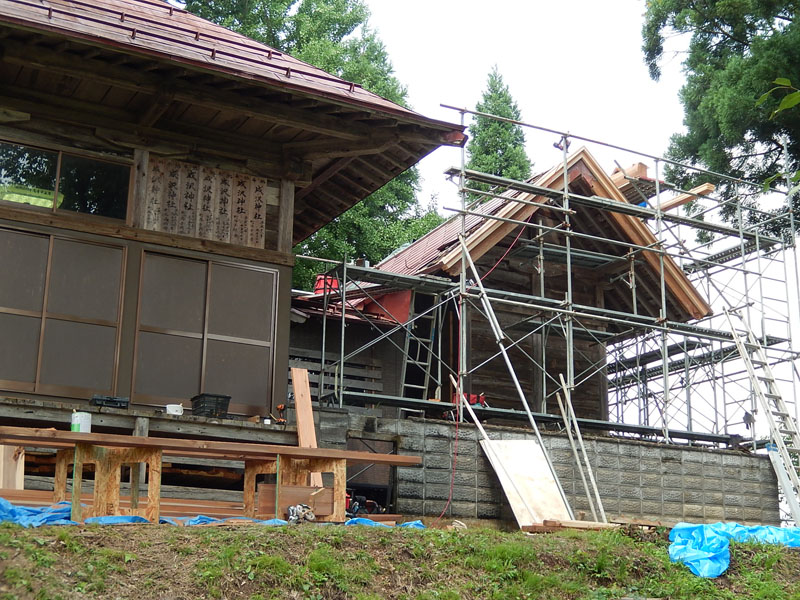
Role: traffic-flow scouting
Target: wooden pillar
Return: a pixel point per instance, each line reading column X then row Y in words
column 141, row 427
column 82, row 452
column 141, row 160
column 63, row 458
column 286, row 216
column 154, row 486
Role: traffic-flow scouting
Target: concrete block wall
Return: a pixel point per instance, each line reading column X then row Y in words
column 636, row 479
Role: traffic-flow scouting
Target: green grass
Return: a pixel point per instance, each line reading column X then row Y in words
column 256, row 563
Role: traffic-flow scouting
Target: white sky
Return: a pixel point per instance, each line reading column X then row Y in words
column 571, row 65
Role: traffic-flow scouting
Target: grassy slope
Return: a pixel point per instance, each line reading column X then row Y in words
column 308, row 562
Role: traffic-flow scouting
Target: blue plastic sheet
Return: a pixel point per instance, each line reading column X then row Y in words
column 204, row 520
column 705, row 549
column 413, row 524
column 35, row 516
column 371, row 523
column 365, row 522
column 59, row 514
column 116, row 520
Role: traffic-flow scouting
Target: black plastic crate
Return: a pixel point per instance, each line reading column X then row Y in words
column 110, row 401
column 211, row 405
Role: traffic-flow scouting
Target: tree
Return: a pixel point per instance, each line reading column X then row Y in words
column 334, row 35
column 497, row 147
column 736, row 50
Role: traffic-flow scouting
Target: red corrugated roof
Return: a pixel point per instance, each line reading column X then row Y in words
column 155, row 28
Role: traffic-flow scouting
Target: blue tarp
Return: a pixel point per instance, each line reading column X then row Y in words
column 371, row 523
column 58, row 514
column 204, row 520
column 705, row 549
column 116, row 520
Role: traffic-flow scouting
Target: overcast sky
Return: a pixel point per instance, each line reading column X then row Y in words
column 573, row 65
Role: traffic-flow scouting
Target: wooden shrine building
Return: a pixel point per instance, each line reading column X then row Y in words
column 609, row 271
column 155, row 172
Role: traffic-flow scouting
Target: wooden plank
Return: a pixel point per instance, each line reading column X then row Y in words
column 12, row 467
column 306, row 434
column 572, row 524
column 527, row 481
column 332, row 357
column 239, row 209
column 258, row 213
column 681, row 199
column 208, row 448
column 313, row 366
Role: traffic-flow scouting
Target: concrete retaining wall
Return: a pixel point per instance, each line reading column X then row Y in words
column 636, row 479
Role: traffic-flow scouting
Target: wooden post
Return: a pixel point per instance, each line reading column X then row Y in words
column 141, row 161
column 81, row 454
column 63, row 458
column 286, row 216
column 141, row 427
column 339, row 489
column 249, row 495
column 12, row 467
column 154, row 486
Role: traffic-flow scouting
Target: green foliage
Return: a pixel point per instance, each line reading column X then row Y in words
column 334, row 35
column 497, row 147
column 737, row 49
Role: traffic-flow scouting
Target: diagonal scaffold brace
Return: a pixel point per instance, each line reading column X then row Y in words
column 500, row 339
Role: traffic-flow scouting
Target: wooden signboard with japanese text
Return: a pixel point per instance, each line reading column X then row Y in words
column 208, row 203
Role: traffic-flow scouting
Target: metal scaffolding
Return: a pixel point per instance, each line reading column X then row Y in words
column 682, row 380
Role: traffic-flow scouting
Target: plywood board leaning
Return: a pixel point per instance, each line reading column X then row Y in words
column 529, row 485
column 306, row 435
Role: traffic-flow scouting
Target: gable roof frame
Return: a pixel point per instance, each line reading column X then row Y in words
column 581, row 164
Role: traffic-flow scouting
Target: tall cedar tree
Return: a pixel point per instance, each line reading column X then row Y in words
column 497, row 147
column 736, row 50
column 334, row 35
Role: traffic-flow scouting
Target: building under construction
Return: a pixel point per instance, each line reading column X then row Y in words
column 597, row 288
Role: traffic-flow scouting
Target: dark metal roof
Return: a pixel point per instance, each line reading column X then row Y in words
column 157, row 28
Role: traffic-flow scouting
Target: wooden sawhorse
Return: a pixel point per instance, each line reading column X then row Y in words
column 107, row 478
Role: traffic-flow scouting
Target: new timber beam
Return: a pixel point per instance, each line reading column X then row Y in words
column 606, row 204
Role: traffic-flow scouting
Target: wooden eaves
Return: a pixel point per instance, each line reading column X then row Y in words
column 156, row 78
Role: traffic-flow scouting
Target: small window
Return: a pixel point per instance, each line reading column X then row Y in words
column 85, row 185
column 27, row 175
column 92, row 186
